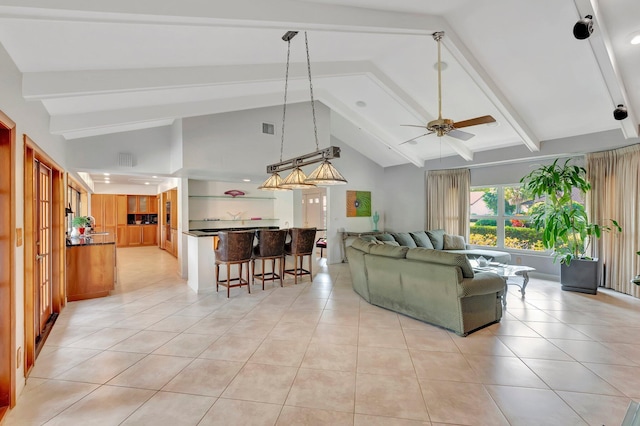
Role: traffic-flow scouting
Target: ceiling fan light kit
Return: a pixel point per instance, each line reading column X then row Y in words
column 445, row 126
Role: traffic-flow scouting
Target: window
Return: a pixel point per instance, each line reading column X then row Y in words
column 501, row 218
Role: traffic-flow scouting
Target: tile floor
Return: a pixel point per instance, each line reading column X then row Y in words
column 155, row 353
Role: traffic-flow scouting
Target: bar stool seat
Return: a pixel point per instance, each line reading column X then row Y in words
column 233, row 248
column 270, row 247
column 301, row 246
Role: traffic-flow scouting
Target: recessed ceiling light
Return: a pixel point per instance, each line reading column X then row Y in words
column 106, row 181
column 493, row 124
column 146, row 183
column 246, row 180
column 635, row 39
column 361, row 104
column 155, row 177
column 444, row 66
column 107, row 174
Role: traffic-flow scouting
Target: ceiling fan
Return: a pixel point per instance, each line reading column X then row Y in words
column 444, row 126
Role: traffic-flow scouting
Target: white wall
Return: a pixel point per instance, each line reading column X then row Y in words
column 175, row 147
column 404, row 191
column 231, row 146
column 32, row 120
column 150, row 148
column 362, row 174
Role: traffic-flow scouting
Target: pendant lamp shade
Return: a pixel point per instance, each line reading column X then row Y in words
column 273, row 183
column 296, row 180
column 326, row 174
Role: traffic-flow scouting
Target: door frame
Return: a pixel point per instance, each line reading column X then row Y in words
column 58, row 283
column 8, row 364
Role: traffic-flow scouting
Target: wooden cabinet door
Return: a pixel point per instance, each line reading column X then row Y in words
column 149, row 235
column 109, row 211
column 134, row 235
column 153, row 204
column 97, row 211
column 143, row 204
column 122, row 239
column 121, row 210
column 132, row 204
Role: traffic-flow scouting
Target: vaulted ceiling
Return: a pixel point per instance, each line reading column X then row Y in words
column 120, row 65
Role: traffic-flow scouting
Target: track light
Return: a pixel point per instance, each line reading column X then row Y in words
column 583, row 28
column 620, row 113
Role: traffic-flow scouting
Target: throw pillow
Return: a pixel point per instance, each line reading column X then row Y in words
column 404, row 239
column 390, row 243
column 369, row 238
column 454, row 242
column 422, row 239
column 437, row 238
column 385, row 237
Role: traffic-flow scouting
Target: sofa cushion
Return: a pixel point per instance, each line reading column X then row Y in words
column 422, row 239
column 363, row 245
column 437, row 238
column 454, row 242
column 398, row 252
column 369, row 238
column 404, row 239
column 385, row 237
column 442, row 257
column 391, row 243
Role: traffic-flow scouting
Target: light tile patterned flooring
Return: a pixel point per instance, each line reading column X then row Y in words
column 155, row 353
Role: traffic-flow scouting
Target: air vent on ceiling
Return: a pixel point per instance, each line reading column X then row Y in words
column 125, row 159
column 268, row 128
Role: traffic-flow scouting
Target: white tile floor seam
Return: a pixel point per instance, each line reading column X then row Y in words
column 317, row 353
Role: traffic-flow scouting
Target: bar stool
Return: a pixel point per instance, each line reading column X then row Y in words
column 233, row 248
column 301, row 245
column 270, row 247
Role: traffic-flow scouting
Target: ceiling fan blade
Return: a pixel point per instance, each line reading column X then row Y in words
column 412, row 139
column 459, row 134
column 413, row 125
column 474, row 121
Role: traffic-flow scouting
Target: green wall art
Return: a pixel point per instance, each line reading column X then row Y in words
column 358, row 203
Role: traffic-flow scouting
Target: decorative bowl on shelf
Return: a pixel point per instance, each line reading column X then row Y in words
column 234, row 193
column 138, row 222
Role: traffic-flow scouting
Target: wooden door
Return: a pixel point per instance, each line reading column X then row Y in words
column 97, row 211
column 314, row 207
column 121, row 210
column 153, row 204
column 43, row 264
column 8, row 242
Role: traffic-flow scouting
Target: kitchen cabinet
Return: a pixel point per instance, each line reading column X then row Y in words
column 142, row 204
column 90, row 270
column 138, row 235
column 122, row 239
column 103, row 210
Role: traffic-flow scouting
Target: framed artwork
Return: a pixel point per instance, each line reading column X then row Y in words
column 358, row 203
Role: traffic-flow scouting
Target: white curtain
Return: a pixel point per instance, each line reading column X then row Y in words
column 615, row 188
column 448, row 201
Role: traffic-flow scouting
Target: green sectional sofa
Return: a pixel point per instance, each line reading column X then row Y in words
column 430, row 285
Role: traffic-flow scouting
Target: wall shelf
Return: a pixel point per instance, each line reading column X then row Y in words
column 227, row 197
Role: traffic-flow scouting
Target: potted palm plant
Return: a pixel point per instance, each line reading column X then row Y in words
column 565, row 224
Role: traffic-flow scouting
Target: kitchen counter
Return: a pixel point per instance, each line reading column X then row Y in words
column 91, row 239
column 90, row 267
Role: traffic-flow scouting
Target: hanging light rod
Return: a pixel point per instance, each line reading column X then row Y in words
column 289, row 35
column 304, row 160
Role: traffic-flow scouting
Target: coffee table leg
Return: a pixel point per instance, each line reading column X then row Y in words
column 504, row 296
column 525, row 281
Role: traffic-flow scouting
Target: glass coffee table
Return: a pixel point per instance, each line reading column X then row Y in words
column 507, row 272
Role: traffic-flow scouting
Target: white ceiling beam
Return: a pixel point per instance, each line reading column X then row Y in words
column 61, row 84
column 482, row 79
column 602, row 48
column 284, row 14
column 371, row 128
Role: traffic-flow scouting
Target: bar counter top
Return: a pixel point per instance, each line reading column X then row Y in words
column 214, row 232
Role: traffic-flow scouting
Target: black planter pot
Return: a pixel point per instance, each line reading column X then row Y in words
column 581, row 276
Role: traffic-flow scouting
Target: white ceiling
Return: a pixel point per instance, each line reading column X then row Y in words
column 120, row 65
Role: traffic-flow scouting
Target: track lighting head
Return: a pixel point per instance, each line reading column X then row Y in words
column 620, row 113
column 583, row 28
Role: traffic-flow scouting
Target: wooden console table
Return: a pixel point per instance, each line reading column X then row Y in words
column 347, row 234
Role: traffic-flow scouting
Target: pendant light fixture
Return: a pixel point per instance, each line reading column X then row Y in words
column 325, row 174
